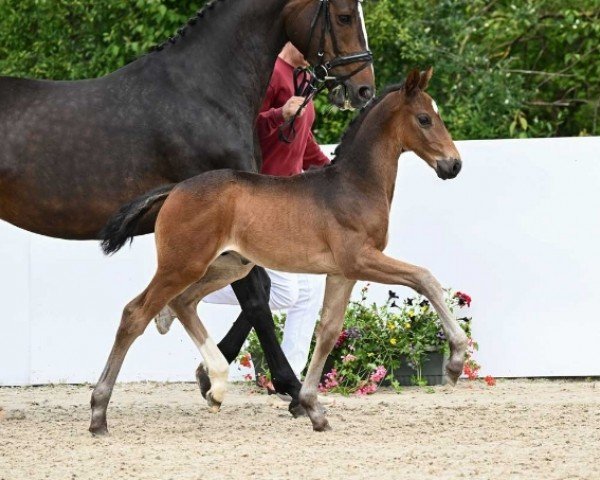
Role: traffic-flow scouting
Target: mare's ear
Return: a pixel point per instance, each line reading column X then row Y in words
column 425, row 77
column 412, row 82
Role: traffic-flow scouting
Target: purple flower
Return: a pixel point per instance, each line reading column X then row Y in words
column 353, row 332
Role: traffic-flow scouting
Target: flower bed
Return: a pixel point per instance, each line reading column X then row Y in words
column 393, row 343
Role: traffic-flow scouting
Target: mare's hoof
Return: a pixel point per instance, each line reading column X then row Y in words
column 213, row 405
column 296, row 409
column 203, row 380
column 101, row 431
column 321, row 426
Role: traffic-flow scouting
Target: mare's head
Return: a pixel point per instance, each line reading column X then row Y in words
column 331, row 35
column 421, row 128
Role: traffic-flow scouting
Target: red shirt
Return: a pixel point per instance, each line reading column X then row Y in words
column 280, row 158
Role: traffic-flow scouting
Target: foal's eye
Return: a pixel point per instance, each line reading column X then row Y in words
column 345, row 19
column 424, row 120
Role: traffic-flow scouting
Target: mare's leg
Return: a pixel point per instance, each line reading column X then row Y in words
column 136, row 316
column 337, row 295
column 374, row 266
column 252, row 293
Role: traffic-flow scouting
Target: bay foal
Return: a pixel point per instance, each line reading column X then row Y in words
column 332, row 221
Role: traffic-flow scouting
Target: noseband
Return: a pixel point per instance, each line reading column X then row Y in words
column 321, row 70
column 307, row 86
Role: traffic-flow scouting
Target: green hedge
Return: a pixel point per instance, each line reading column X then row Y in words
column 503, row 68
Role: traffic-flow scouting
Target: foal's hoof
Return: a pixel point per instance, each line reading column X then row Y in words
column 296, row 409
column 321, row 426
column 203, row 380
column 452, row 376
column 213, row 405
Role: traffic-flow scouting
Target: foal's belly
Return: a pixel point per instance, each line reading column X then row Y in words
column 290, row 259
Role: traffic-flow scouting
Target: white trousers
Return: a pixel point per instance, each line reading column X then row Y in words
column 301, row 295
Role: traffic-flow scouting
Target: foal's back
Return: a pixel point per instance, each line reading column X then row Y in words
column 276, row 222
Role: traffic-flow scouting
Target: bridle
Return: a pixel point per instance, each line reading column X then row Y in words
column 314, row 80
column 321, row 70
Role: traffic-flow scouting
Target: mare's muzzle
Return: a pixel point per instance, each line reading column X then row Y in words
column 448, row 168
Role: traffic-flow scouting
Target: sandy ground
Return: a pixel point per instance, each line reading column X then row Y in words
column 515, row 430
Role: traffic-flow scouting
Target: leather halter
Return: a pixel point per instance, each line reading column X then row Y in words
column 321, row 70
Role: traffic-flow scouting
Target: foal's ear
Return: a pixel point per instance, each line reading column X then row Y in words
column 425, row 77
column 412, row 82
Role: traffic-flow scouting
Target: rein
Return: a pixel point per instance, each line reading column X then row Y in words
column 314, row 81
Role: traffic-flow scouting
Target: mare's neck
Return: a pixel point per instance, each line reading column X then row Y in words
column 228, row 55
column 372, row 159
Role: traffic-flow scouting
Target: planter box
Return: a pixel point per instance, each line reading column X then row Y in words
column 432, row 371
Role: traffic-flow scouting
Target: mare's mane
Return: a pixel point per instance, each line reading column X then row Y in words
column 181, row 32
column 350, row 133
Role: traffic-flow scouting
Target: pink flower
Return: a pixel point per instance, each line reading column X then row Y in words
column 379, row 374
column 331, row 381
column 367, row 389
column 491, row 381
column 248, row 377
column 348, row 358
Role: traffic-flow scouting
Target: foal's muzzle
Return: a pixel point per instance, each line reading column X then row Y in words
column 448, row 168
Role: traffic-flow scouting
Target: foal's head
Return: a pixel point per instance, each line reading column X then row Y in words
column 421, row 129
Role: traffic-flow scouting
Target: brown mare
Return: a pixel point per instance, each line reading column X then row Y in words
column 332, row 221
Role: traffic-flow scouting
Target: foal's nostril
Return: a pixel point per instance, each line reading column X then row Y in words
column 456, row 167
column 366, row 93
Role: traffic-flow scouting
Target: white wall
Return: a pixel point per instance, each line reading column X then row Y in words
column 518, row 230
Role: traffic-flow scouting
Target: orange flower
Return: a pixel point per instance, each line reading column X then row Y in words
column 245, row 360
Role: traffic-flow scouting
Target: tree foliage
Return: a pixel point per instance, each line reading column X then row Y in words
column 504, row 68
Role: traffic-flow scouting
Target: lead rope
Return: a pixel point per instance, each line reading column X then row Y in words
column 306, row 89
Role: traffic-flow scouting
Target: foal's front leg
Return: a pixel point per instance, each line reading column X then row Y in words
column 374, row 266
column 337, row 294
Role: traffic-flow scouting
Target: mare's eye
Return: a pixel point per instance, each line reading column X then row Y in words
column 424, row 120
column 345, row 19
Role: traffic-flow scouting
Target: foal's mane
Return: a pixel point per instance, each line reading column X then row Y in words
column 354, row 126
column 181, row 32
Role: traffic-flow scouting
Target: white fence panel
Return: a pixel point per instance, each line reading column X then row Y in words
column 518, row 230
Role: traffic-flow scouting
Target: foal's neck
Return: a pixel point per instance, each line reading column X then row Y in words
column 231, row 48
column 372, row 163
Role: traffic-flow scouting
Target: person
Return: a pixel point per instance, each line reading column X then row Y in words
column 300, row 294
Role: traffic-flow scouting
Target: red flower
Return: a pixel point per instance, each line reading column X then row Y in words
column 491, row 381
column 471, row 369
column 245, row 360
column 341, row 339
column 463, row 299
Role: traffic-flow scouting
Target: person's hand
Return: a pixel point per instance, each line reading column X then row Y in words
column 291, row 107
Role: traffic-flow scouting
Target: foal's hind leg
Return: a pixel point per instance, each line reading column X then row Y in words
column 212, row 378
column 337, row 295
column 376, row 267
column 136, row 316
column 252, row 293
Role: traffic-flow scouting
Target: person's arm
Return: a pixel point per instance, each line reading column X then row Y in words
column 269, row 119
column 313, row 155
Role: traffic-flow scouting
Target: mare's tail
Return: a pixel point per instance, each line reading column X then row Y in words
column 122, row 225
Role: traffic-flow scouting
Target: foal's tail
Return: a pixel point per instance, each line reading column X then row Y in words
column 122, row 225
